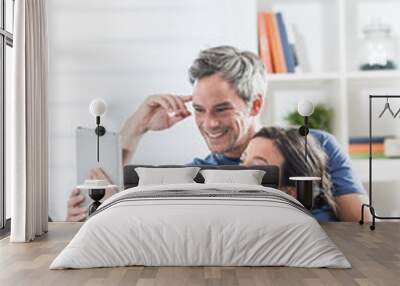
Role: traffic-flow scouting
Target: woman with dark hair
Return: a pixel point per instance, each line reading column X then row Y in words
column 285, row 148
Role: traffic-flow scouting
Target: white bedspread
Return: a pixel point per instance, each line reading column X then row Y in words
column 267, row 228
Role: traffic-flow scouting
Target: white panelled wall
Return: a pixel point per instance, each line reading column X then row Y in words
column 123, row 51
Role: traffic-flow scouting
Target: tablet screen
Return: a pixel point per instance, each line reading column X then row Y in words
column 110, row 155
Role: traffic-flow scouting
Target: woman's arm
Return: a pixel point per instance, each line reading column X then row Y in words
column 347, row 190
column 349, row 207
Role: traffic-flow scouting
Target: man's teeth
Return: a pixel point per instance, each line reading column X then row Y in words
column 216, row 135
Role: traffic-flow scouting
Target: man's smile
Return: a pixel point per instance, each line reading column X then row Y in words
column 216, row 135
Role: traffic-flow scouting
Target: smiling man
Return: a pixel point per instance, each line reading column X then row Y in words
column 228, row 92
column 223, row 118
column 229, row 87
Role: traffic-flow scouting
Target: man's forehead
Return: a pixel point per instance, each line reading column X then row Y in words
column 209, row 97
column 213, row 97
column 213, row 90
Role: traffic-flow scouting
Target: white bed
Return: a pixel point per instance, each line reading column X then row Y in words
column 201, row 224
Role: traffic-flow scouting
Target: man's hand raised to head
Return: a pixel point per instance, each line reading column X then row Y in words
column 164, row 111
column 157, row 112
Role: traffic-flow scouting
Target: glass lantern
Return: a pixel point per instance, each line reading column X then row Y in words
column 377, row 47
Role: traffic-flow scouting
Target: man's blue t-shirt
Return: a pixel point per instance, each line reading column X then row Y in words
column 344, row 179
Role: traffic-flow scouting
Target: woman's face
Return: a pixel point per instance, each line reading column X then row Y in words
column 262, row 151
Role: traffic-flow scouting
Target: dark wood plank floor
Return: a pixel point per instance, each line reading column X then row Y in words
column 374, row 255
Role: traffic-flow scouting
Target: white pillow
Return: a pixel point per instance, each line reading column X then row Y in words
column 163, row 176
column 248, row 177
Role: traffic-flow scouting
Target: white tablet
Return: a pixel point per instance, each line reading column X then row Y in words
column 110, row 159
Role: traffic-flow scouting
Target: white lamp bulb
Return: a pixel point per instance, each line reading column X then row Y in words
column 305, row 108
column 97, row 107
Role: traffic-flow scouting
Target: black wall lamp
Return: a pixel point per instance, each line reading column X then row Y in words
column 97, row 108
column 97, row 188
column 304, row 185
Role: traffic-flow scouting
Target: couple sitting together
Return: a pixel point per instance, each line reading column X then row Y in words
column 229, row 87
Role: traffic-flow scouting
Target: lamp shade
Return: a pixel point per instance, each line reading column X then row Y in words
column 305, row 108
column 97, row 107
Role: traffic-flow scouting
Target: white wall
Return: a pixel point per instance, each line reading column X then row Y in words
column 123, row 51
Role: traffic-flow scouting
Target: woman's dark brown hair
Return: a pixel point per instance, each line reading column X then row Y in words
column 291, row 145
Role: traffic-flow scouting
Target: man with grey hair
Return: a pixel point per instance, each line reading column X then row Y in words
column 228, row 92
column 229, row 86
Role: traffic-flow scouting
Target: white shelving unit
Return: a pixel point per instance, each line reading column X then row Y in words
column 299, row 77
column 332, row 34
column 379, row 75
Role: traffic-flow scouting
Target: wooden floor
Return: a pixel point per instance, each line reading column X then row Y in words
column 374, row 255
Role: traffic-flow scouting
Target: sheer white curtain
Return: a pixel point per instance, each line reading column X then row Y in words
column 28, row 159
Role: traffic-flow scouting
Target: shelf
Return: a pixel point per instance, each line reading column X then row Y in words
column 383, row 170
column 359, row 75
column 301, row 77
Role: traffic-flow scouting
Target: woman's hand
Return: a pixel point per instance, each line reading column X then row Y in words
column 75, row 213
column 99, row 174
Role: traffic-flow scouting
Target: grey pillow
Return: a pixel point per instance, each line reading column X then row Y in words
column 162, row 176
column 248, row 177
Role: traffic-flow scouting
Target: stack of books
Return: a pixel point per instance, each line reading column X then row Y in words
column 359, row 147
column 276, row 43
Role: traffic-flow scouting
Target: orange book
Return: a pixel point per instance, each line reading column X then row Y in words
column 264, row 49
column 281, row 53
column 277, row 55
column 364, row 148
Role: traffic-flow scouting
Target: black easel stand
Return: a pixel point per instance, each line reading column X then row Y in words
column 369, row 205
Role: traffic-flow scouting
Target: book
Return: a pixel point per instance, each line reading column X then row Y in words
column 298, row 47
column 365, row 139
column 287, row 49
column 366, row 156
column 264, row 49
column 357, row 148
column 274, row 45
column 281, row 62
